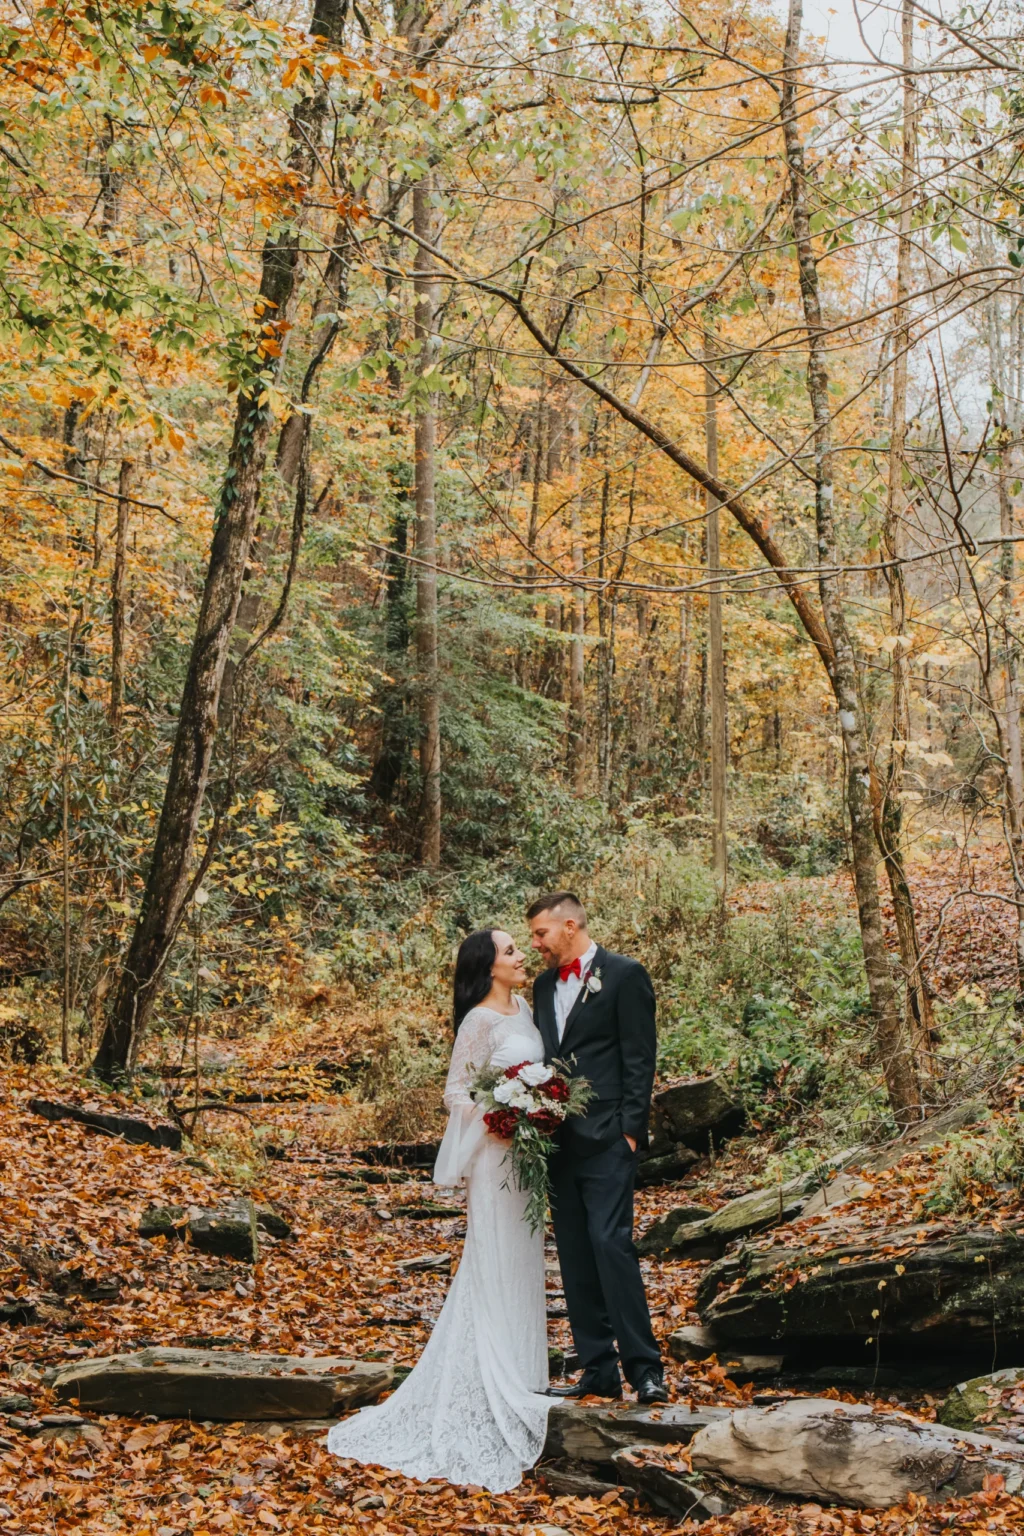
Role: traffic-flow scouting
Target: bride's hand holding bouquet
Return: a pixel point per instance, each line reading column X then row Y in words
column 525, row 1105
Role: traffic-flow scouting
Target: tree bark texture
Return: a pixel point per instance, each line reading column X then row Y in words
column 1011, row 700
column 716, row 651
column 606, row 652
column 118, row 607
column 895, row 1046
column 918, row 1006
column 426, row 535
column 170, row 873
column 395, row 749
column 576, row 754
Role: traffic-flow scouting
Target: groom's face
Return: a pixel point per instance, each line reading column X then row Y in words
column 553, row 936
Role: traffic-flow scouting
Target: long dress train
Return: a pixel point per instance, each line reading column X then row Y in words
column 472, row 1410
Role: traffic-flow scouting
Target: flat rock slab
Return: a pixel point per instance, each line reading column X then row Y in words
column 436, row 1262
column 400, row 1154
column 679, row 1494
column 850, row 1183
column 132, row 1129
column 678, row 1235
column 219, row 1384
column 571, row 1482
column 592, row 1434
column 845, row 1453
column 942, row 1296
column 428, row 1210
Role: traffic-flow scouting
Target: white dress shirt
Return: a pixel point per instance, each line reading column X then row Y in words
column 567, row 991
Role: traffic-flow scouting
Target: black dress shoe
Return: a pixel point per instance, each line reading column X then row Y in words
column 591, row 1384
column 651, row 1388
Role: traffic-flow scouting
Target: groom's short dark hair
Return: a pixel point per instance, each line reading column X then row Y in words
column 558, row 899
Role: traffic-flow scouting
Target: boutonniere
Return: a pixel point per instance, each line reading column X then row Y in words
column 594, row 982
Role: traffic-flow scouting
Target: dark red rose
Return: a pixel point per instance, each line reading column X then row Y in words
column 515, row 1071
column 557, row 1089
column 501, row 1122
column 547, row 1124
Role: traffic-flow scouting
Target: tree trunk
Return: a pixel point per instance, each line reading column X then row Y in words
column 1011, row 701
column 118, row 607
column 394, row 745
column 576, row 755
column 716, row 653
column 110, row 182
column 605, row 655
column 170, row 874
column 894, row 1043
column 683, row 668
column 918, row 1006
column 426, row 535
column 532, row 664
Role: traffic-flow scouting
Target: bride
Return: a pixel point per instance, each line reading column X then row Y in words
column 473, row 1410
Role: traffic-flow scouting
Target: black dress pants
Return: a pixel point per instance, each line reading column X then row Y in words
column 592, row 1212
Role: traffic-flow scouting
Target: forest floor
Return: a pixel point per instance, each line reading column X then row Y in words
column 72, row 1200
column 962, row 903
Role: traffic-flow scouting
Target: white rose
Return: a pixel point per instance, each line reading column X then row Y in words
column 521, row 1098
column 504, row 1090
column 535, row 1073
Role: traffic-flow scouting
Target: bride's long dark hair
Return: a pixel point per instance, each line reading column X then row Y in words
column 473, row 967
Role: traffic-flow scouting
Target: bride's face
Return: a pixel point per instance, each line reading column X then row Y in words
column 508, row 967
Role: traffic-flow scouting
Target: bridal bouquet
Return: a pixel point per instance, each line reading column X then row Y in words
column 524, row 1106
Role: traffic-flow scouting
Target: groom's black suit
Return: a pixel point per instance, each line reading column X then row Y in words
column 609, row 1038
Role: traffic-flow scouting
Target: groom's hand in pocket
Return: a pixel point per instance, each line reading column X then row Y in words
column 631, row 1143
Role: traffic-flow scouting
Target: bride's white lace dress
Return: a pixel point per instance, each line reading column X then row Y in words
column 472, row 1410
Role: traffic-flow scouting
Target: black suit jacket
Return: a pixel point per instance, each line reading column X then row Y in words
column 609, row 1039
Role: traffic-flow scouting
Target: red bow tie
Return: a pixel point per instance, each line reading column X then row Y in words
column 572, row 969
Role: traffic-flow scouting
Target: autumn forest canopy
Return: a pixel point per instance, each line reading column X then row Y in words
column 451, row 451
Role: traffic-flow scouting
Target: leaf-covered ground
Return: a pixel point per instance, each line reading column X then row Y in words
column 72, row 1200
column 966, row 920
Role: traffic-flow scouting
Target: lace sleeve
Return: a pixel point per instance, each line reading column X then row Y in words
column 472, row 1051
column 465, row 1130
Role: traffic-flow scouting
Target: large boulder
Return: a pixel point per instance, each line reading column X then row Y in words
column 219, row 1384
column 992, row 1404
column 664, row 1162
column 693, row 1112
column 848, row 1453
column 230, row 1232
column 929, row 1293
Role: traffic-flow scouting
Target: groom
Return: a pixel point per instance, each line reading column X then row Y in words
column 595, row 1011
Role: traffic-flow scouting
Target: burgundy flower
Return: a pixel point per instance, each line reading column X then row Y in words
column 546, row 1123
column 502, row 1122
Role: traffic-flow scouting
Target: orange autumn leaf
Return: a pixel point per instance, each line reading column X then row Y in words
column 426, row 94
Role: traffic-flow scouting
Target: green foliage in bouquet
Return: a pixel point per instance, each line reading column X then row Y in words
column 525, row 1105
